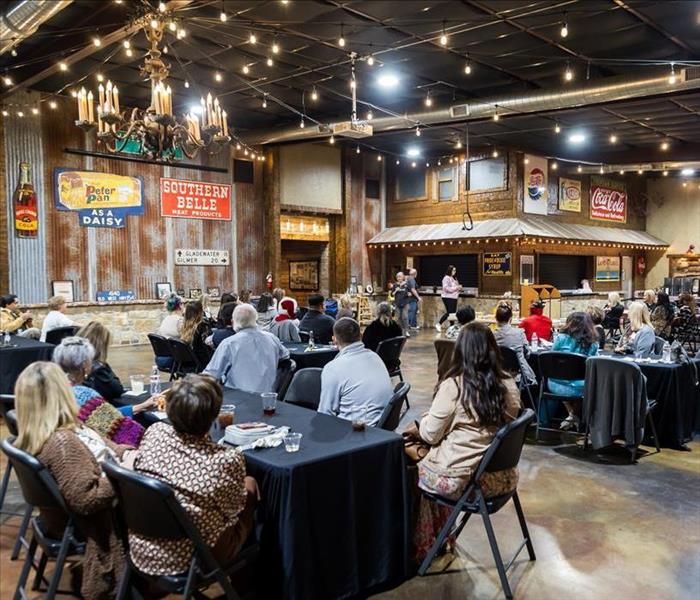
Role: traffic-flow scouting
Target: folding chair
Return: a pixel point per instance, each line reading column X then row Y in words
column 305, row 388
column 285, row 372
column 161, row 349
column 56, row 335
column 511, row 364
column 389, row 351
column 503, row 453
column 565, row 366
column 40, row 489
column 392, row 412
column 659, row 346
column 185, row 360
column 149, row 508
column 304, row 336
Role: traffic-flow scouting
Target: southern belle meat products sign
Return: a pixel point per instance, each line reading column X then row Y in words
column 195, row 199
column 608, row 200
column 197, row 257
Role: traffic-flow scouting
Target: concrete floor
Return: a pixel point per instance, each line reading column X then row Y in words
column 602, row 528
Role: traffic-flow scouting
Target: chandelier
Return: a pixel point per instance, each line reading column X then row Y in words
column 153, row 132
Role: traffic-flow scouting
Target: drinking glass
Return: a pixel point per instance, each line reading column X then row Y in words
column 269, row 403
column 226, row 415
column 137, row 384
column 292, row 441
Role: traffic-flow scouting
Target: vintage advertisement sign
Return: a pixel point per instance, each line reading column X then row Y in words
column 608, row 200
column 607, row 268
column 100, row 199
column 115, row 295
column 569, row 195
column 200, row 257
column 497, row 263
column 195, row 199
column 535, row 185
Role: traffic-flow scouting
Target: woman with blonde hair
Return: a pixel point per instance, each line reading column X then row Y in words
column 56, row 317
column 49, row 429
column 382, row 328
column 650, row 300
column 101, row 378
column 614, row 310
column 345, row 310
column 639, row 338
column 195, row 331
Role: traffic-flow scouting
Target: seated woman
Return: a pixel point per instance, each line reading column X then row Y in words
column 56, row 318
column 49, row 428
column 474, row 400
column 513, row 338
column 284, row 326
column 225, row 324
column 686, row 318
column 266, row 311
column 597, row 315
column 209, row 479
column 464, row 315
column 344, row 308
column 101, row 378
column 75, row 356
column 614, row 310
column 382, row 328
column 578, row 337
column 171, row 324
column 662, row 316
column 650, row 300
column 195, row 331
column 13, row 320
column 537, row 322
column 639, row 339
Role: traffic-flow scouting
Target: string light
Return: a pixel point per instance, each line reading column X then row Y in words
column 6, row 80
column 370, row 116
column 357, row 150
column 252, row 38
column 162, row 7
column 495, row 154
column 187, row 84
column 458, row 145
column 129, row 52
column 564, row 31
column 379, row 157
column 63, row 66
column 126, row 44
column 264, row 102
column 664, row 146
column 496, row 116
column 302, row 124
column 417, row 131
column 314, row 94
column 223, row 16
column 554, row 166
column 370, row 60
column 568, row 74
column 53, row 105
column 172, row 26
column 269, row 62
column 341, row 39
column 332, row 139
column 557, row 128
column 665, row 173
column 443, row 37
column 398, row 162
column 218, row 76
column 613, row 139
column 275, row 47
column 672, row 77
column 35, row 111
column 579, row 169
column 428, row 99
column 97, row 41
column 468, row 67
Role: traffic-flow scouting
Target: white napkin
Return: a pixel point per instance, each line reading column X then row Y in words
column 269, row 441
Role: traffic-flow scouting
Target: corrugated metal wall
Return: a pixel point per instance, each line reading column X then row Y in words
column 139, row 255
column 27, row 259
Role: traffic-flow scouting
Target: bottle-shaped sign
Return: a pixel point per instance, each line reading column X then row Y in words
column 25, row 205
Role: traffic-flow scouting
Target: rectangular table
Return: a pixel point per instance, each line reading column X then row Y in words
column 318, row 357
column 19, row 354
column 674, row 388
column 334, row 514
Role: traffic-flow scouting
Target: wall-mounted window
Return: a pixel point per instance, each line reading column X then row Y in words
column 372, row 188
column 446, row 184
column 487, row 174
column 411, row 184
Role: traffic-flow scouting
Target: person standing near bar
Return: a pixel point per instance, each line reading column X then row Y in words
column 413, row 299
column 400, row 293
column 450, row 293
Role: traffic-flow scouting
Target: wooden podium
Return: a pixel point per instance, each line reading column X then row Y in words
column 548, row 294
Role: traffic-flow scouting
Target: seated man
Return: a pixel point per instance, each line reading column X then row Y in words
column 356, row 380
column 14, row 321
column 316, row 322
column 248, row 360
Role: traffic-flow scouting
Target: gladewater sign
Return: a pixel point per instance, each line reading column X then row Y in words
column 195, row 199
column 197, row 257
column 100, row 199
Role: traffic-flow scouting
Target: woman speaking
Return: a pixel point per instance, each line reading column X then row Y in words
column 450, row 293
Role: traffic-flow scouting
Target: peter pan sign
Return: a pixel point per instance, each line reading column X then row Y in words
column 195, row 199
column 100, row 199
column 197, row 257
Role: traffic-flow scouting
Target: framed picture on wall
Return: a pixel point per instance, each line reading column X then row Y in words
column 180, row 292
column 303, row 274
column 195, row 293
column 163, row 289
column 63, row 288
column 607, row 268
column 214, row 292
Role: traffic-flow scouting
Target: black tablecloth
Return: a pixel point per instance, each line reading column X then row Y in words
column 672, row 385
column 321, row 356
column 334, row 514
column 14, row 358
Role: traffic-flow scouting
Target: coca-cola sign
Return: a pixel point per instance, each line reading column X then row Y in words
column 608, row 200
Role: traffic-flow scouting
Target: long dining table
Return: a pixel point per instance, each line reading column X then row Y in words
column 335, row 514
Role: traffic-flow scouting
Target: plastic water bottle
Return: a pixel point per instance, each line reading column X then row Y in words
column 6, row 339
column 555, row 335
column 154, row 380
column 666, row 353
column 312, row 344
column 534, row 342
